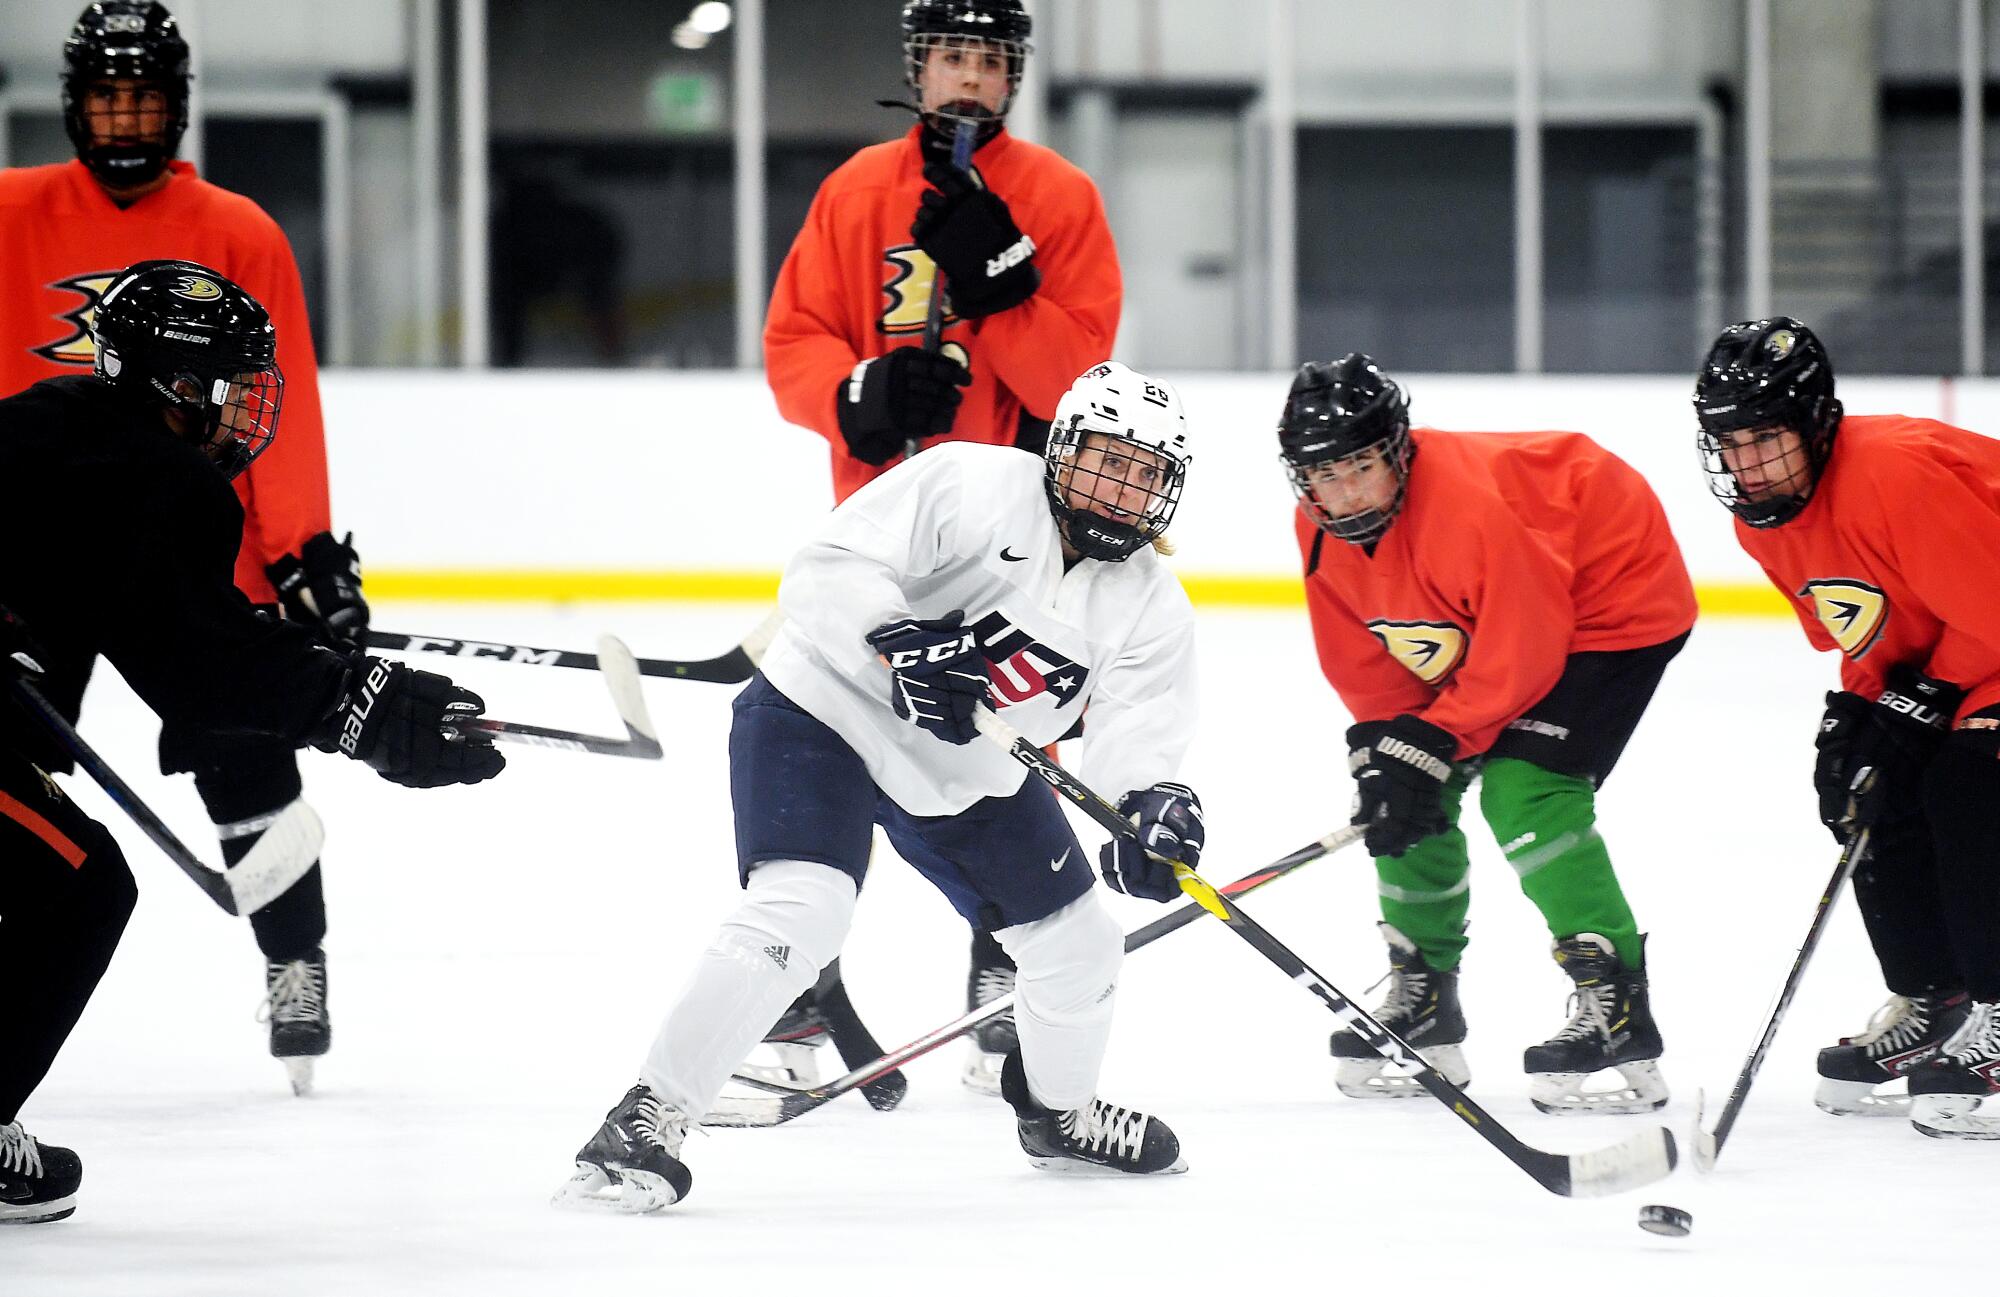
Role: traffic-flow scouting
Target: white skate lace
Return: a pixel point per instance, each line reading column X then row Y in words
column 19, row 1152
column 991, row 984
column 663, row 1127
column 294, row 993
column 1898, row 1024
column 1405, row 994
column 1589, row 1013
column 1977, row 1039
column 1105, row 1128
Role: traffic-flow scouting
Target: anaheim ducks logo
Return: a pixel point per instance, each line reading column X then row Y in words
column 1430, row 649
column 912, row 279
column 197, row 289
column 1853, row 612
column 77, row 348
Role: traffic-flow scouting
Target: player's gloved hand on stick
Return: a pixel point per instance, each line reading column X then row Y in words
column 937, row 675
column 966, row 229
column 1168, row 817
column 894, row 399
column 321, row 586
column 1892, row 739
column 398, row 721
column 1400, row 767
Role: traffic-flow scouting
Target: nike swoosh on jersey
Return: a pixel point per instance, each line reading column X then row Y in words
column 1055, row 866
column 1005, row 557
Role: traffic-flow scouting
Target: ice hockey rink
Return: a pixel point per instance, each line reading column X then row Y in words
column 500, row 956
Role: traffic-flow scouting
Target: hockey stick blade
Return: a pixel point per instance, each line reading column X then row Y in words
column 1703, row 1145
column 791, row 1101
column 731, row 668
column 1642, row 1159
column 278, row 867
column 287, row 849
column 857, row 1045
column 620, row 671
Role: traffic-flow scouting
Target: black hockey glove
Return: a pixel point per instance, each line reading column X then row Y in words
column 892, row 400
column 967, row 230
column 19, row 654
column 1168, row 817
column 1400, row 768
column 320, row 586
column 938, row 677
column 398, row 721
column 1891, row 739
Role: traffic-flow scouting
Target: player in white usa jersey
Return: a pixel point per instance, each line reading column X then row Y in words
column 970, row 576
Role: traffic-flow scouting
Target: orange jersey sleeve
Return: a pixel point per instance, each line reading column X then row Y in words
column 854, row 286
column 62, row 241
column 1891, row 561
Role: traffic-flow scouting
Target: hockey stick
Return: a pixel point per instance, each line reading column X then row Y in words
column 621, row 676
column 1707, row 1146
column 794, row 1102
column 964, row 136
column 288, row 848
column 733, row 667
column 1642, row 1159
column 857, row 1045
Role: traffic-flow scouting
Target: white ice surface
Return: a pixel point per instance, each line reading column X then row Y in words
column 500, row 957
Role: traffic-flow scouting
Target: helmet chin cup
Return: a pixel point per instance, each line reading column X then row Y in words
column 1092, row 535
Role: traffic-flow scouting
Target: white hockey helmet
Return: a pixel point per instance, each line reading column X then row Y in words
column 1110, row 503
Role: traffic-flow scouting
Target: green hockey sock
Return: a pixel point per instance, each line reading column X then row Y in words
column 1546, row 825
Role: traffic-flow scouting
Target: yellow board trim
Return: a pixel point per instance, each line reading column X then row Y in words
column 563, row 585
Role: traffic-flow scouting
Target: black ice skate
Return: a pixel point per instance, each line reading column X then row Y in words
column 633, row 1163
column 991, row 1041
column 1610, row 1026
column 37, row 1181
column 1094, row 1139
column 1421, row 1006
column 1903, row 1035
column 1948, row 1093
column 295, row 1006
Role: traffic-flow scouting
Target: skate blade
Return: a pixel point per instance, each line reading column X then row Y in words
column 1376, row 1078
column 299, row 1071
column 624, row 1193
column 1952, row 1116
column 39, row 1213
column 982, row 1071
column 1562, row 1094
column 1074, row 1168
column 1858, row 1099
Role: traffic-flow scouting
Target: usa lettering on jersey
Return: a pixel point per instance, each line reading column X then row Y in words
column 1023, row 667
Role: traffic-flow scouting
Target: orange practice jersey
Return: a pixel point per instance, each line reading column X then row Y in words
column 1511, row 552
column 61, row 242
column 855, row 286
column 1893, row 560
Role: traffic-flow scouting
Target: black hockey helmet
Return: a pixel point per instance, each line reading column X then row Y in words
column 956, row 24
column 1340, row 412
column 116, row 40
column 179, row 336
column 1765, row 376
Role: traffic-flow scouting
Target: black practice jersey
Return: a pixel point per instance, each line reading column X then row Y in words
column 118, row 539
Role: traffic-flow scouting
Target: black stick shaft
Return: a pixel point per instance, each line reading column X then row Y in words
column 1850, row 859
column 209, row 880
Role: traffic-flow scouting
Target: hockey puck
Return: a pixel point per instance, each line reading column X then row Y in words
column 1670, row 1222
